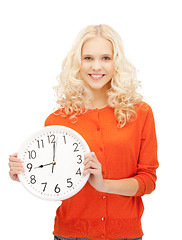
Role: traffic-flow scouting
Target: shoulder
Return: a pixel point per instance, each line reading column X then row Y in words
column 143, row 108
column 145, row 117
column 54, row 117
column 144, row 111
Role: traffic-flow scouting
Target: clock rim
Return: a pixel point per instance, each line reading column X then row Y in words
column 21, row 151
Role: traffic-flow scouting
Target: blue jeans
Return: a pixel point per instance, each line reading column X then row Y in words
column 72, row 238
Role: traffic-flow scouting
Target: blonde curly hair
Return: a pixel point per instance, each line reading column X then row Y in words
column 74, row 96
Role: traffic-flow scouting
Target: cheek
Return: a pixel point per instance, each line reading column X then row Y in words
column 111, row 69
column 84, row 68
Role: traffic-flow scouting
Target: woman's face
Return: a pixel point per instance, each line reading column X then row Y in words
column 97, row 64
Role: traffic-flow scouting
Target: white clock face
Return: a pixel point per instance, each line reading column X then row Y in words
column 53, row 162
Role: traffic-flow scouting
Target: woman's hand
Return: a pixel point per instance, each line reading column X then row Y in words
column 93, row 166
column 16, row 167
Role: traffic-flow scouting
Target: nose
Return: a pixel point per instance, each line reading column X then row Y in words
column 96, row 65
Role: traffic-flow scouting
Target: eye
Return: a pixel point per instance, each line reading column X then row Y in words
column 88, row 58
column 106, row 58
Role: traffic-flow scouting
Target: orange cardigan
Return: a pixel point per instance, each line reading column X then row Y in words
column 125, row 152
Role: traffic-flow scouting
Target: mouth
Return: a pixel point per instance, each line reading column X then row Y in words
column 96, row 76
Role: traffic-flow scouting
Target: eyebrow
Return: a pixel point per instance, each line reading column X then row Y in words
column 105, row 54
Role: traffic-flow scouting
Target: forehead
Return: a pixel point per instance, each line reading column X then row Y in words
column 97, row 45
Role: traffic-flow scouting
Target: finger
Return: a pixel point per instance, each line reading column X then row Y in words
column 88, row 160
column 14, row 155
column 92, row 168
column 92, row 164
column 18, row 171
column 90, row 156
column 91, row 171
column 15, row 164
column 87, row 154
column 14, row 169
column 14, row 159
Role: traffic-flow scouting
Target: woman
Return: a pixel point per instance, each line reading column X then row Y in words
column 97, row 96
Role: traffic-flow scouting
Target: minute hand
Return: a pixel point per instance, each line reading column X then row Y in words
column 54, row 154
column 53, row 162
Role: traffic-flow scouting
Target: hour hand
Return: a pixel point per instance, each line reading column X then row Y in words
column 41, row 166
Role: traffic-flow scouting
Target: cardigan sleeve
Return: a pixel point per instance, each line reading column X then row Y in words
column 148, row 161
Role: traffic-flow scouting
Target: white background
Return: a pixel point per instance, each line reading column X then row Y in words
column 35, row 37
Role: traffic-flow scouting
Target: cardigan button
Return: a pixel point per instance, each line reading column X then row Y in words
column 101, row 149
column 103, row 197
column 103, row 218
column 102, row 236
column 98, row 128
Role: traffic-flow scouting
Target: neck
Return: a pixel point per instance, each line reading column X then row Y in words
column 100, row 99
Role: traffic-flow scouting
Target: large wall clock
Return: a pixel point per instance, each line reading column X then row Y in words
column 53, row 162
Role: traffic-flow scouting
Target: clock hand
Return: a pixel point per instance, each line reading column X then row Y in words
column 41, row 166
column 54, row 154
column 54, row 150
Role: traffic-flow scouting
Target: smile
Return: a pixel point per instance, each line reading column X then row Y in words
column 96, row 76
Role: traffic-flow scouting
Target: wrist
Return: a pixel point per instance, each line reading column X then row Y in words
column 105, row 186
column 125, row 187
